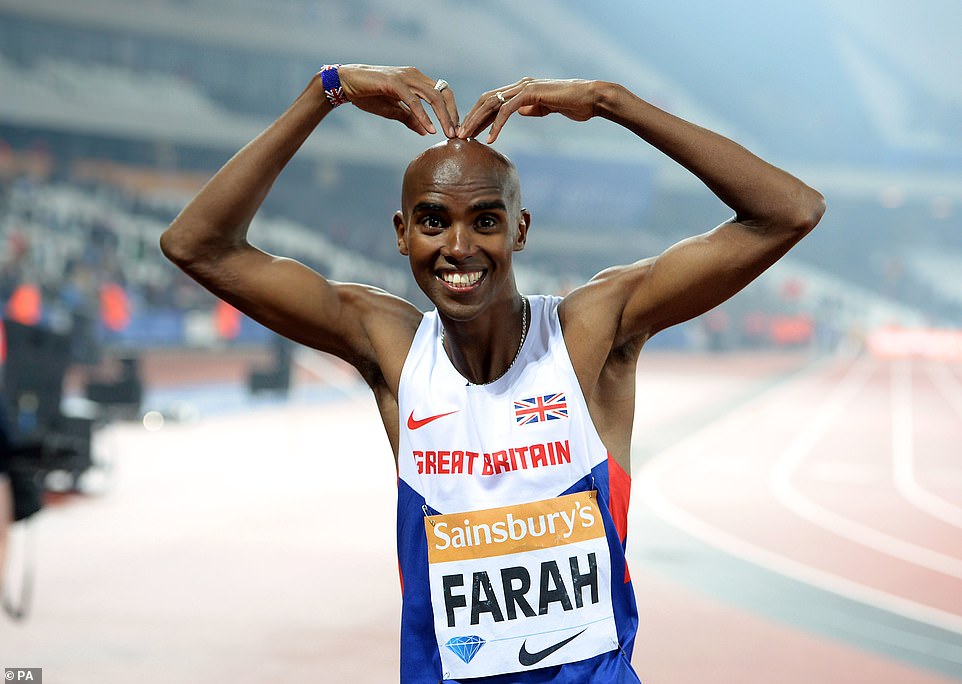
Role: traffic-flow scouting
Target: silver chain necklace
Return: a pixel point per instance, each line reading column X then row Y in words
column 524, row 335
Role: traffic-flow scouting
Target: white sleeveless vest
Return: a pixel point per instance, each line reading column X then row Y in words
column 510, row 559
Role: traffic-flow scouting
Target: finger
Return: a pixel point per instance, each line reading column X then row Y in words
column 403, row 114
column 436, row 99
column 450, row 103
column 412, row 99
column 514, row 99
column 392, row 110
column 480, row 116
column 487, row 107
column 447, row 110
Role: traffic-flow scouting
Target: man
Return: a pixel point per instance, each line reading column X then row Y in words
column 6, row 502
column 6, row 491
column 509, row 416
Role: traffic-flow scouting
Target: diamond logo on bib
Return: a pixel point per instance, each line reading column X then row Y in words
column 465, row 647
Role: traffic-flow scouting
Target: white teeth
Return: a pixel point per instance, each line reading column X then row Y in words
column 461, row 279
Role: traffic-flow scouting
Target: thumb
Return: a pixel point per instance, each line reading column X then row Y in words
column 390, row 109
column 532, row 110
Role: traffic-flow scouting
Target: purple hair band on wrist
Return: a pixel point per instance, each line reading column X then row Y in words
column 332, row 85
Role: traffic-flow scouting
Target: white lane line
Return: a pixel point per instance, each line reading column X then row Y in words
column 903, row 452
column 648, row 482
column 660, row 505
column 783, row 489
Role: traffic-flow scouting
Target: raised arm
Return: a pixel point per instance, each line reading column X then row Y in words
column 208, row 240
column 772, row 209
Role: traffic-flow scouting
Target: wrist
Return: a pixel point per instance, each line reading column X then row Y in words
column 331, row 83
column 606, row 98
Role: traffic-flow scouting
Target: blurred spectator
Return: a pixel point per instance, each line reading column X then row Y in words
column 227, row 320
column 114, row 307
column 25, row 304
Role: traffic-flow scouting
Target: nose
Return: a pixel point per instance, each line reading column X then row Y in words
column 459, row 243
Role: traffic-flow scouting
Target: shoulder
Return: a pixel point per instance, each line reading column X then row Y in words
column 596, row 309
column 591, row 318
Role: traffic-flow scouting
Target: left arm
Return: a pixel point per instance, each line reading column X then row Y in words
column 772, row 209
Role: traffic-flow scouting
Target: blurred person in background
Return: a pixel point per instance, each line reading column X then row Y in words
column 509, row 415
column 6, row 493
column 6, row 499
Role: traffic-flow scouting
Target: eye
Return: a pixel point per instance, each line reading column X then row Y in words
column 487, row 222
column 431, row 223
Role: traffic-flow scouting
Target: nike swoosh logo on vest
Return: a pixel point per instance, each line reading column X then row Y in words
column 529, row 659
column 414, row 423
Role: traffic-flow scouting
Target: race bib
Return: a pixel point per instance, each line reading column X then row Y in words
column 520, row 587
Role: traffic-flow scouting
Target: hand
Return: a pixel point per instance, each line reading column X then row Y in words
column 530, row 97
column 396, row 93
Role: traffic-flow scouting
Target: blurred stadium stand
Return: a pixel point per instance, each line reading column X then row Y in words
column 114, row 113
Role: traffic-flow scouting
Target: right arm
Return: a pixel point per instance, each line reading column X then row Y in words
column 208, row 239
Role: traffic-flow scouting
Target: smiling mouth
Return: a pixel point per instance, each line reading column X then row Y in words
column 460, row 280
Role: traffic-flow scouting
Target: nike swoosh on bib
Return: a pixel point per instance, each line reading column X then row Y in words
column 414, row 423
column 529, row 659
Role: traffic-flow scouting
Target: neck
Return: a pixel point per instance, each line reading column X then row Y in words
column 483, row 351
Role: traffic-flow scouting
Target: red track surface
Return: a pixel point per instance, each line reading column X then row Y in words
column 847, row 476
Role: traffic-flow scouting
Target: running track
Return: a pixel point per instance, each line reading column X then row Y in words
column 827, row 497
column 793, row 520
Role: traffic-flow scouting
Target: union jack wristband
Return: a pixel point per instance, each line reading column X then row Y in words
column 332, row 85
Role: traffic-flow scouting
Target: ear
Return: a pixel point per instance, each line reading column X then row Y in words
column 401, row 230
column 521, row 234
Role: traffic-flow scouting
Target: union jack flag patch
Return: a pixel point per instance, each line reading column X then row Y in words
column 541, row 408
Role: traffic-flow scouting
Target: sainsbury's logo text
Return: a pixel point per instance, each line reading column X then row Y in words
column 567, row 519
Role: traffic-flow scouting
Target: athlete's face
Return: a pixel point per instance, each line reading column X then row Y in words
column 459, row 224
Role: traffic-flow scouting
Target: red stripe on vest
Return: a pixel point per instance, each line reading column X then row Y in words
column 619, row 483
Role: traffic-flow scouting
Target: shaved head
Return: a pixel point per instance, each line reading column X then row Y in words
column 460, row 222
column 456, row 162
